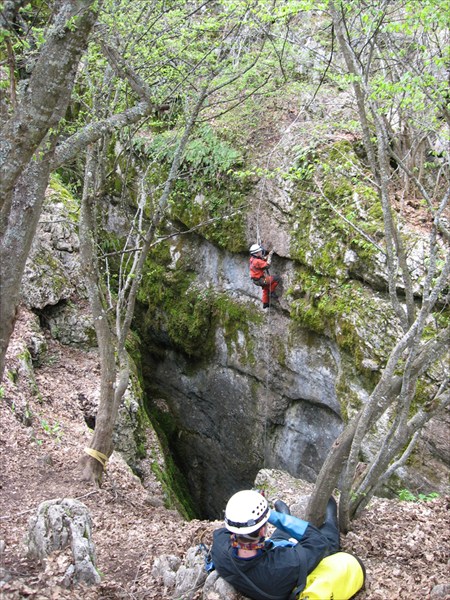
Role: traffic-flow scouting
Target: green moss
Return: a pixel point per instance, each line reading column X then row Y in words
column 141, row 450
column 27, row 362
column 327, row 214
column 219, row 208
column 349, row 400
column 338, row 309
column 173, row 481
column 325, row 299
column 184, row 312
column 64, row 194
column 235, row 318
column 133, row 347
column 189, row 313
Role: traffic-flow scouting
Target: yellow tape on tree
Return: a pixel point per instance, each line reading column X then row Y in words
column 102, row 458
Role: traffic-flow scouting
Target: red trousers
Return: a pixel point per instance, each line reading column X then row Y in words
column 269, row 287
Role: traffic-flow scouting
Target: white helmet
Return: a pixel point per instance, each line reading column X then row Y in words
column 255, row 248
column 246, row 512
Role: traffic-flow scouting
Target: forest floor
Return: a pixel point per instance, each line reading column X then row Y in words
column 405, row 545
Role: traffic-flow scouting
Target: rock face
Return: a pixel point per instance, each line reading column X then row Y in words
column 232, row 416
column 257, row 388
column 277, row 394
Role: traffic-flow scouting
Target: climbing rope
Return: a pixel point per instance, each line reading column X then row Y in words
column 305, row 108
column 258, row 240
column 266, row 337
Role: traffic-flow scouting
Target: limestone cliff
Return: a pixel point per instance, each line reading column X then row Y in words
column 233, row 387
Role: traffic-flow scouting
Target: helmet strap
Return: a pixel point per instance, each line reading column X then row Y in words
column 250, row 545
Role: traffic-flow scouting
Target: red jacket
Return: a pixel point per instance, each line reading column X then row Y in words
column 258, row 267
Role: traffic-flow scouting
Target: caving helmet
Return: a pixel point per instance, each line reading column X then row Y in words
column 255, row 248
column 246, row 512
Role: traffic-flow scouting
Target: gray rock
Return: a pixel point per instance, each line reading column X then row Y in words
column 165, row 567
column 71, row 324
column 52, row 271
column 191, row 575
column 216, row 588
column 57, row 524
column 440, row 592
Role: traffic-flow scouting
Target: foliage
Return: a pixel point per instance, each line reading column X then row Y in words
column 207, row 155
column 407, row 496
column 64, row 194
column 206, row 190
column 400, row 97
column 52, row 430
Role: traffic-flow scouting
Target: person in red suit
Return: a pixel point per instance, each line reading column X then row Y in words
column 260, row 261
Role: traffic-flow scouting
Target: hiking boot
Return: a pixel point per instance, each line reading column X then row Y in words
column 266, row 305
column 281, row 507
column 331, row 512
column 274, row 295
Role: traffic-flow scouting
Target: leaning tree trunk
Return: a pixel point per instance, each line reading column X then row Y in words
column 23, row 137
column 386, row 392
column 113, row 386
column 16, row 242
column 101, row 443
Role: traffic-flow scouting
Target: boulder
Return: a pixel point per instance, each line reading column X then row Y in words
column 56, row 525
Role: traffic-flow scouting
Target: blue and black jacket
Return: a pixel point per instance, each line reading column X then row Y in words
column 292, row 552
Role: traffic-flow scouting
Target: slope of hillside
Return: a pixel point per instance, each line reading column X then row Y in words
column 405, row 545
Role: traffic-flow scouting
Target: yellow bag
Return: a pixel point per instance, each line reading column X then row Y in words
column 337, row 577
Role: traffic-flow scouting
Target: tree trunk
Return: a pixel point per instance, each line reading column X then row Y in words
column 113, row 387
column 107, row 412
column 23, row 138
column 16, row 242
column 328, row 478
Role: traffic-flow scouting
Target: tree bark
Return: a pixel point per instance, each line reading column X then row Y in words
column 107, row 410
column 113, row 384
column 26, row 144
column 15, row 244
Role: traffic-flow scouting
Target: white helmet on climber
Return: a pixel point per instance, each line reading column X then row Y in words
column 246, row 512
column 255, row 248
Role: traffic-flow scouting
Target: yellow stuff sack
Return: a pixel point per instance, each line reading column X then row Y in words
column 337, row 577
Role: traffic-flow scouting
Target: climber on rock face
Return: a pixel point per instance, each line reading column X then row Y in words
column 260, row 261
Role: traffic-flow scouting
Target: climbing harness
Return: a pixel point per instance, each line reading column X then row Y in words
column 261, row 281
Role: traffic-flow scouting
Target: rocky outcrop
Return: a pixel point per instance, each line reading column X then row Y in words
column 52, row 272
column 235, row 387
column 234, row 414
column 60, row 523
